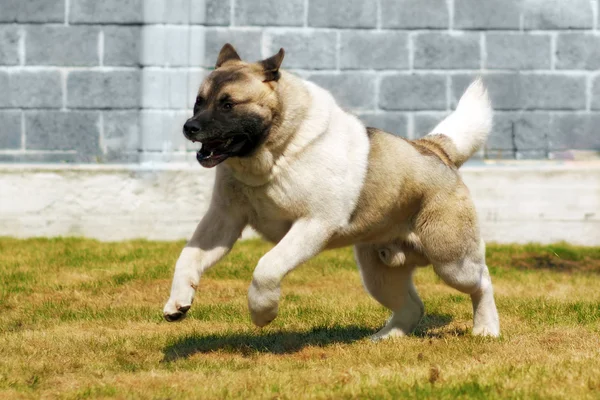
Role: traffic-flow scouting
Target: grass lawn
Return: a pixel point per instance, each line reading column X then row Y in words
column 83, row 319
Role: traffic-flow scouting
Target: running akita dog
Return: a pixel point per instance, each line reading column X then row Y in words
column 309, row 176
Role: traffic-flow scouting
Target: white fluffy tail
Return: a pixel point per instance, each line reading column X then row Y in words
column 469, row 125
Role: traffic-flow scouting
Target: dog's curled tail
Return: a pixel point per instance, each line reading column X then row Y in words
column 469, row 125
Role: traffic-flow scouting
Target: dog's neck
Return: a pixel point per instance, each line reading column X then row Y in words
column 302, row 118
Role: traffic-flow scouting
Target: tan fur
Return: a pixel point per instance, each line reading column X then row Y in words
column 411, row 189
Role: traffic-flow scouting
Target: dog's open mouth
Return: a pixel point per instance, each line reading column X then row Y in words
column 215, row 151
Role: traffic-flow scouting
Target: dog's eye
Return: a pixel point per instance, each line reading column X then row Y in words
column 227, row 106
column 199, row 100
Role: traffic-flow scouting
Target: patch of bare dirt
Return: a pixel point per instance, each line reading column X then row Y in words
column 551, row 262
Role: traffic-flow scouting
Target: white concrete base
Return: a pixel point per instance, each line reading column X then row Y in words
column 518, row 202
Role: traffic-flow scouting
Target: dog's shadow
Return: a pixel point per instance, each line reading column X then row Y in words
column 285, row 342
column 431, row 327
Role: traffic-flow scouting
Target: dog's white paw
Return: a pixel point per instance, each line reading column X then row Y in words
column 263, row 303
column 388, row 332
column 179, row 303
column 491, row 330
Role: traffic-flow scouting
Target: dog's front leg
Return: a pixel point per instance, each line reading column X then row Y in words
column 303, row 241
column 212, row 240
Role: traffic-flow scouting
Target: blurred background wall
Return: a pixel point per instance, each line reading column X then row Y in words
column 112, row 81
column 93, row 95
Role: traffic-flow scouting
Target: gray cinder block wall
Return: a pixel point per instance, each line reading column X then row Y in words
column 113, row 80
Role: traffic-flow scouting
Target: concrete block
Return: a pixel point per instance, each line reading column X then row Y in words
column 177, row 11
column 122, row 45
column 425, row 122
column 153, row 132
column 95, row 89
column 574, row 131
column 195, row 78
column 62, row 45
column 269, row 12
column 44, row 11
column 414, row 14
column 591, row 138
column 155, row 87
column 162, row 130
column 553, row 92
column 177, row 44
column 413, row 92
column 595, row 100
column 247, row 42
column 217, row 12
column 530, row 130
column 64, row 130
column 350, row 14
column 165, row 45
column 178, row 88
column 121, row 136
column 10, row 129
column 391, row 122
column 5, row 100
column 155, row 11
column 304, row 49
column 165, row 88
column 352, row 90
column 153, row 45
column 30, row 89
column 10, row 9
column 204, row 12
column 527, row 133
column 513, row 91
column 558, row 14
column 196, row 53
column 106, row 11
column 577, row 51
column 489, row 14
column 9, row 45
column 447, row 51
column 502, row 135
column 373, row 50
column 518, row 51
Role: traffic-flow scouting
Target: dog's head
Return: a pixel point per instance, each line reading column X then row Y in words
column 235, row 107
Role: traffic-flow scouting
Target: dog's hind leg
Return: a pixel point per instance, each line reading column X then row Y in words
column 393, row 287
column 470, row 275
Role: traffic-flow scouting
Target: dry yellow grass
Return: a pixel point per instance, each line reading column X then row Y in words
column 82, row 319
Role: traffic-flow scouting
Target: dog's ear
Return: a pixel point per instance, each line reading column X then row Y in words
column 271, row 66
column 226, row 54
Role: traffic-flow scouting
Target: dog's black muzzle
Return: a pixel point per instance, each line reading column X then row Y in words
column 192, row 129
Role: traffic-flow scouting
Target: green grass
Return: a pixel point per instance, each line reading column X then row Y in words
column 82, row 319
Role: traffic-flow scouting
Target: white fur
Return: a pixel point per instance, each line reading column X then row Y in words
column 469, row 125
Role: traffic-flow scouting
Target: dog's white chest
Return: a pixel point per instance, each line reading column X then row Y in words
column 272, row 210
